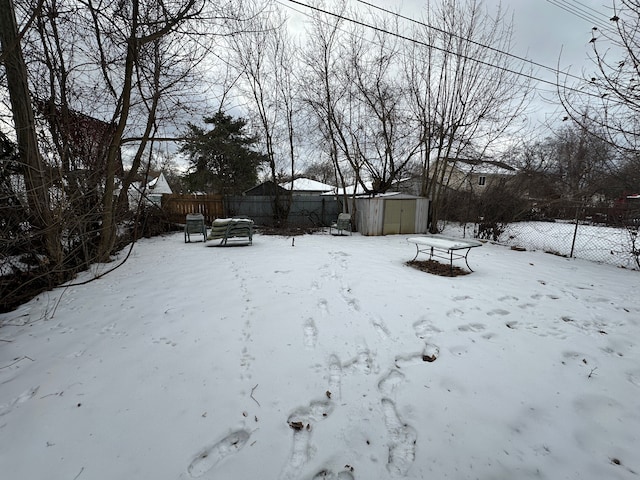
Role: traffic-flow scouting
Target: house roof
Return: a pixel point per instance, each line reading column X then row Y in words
column 489, row 167
column 307, row 185
column 351, row 189
column 265, row 188
column 159, row 185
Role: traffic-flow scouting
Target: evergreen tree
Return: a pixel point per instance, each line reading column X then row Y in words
column 221, row 159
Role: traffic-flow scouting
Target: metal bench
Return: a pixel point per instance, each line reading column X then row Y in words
column 447, row 248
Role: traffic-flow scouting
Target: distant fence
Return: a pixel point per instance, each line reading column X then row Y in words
column 176, row 207
column 619, row 246
column 305, row 211
column 608, row 234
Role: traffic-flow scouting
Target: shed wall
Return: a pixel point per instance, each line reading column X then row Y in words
column 370, row 217
column 422, row 215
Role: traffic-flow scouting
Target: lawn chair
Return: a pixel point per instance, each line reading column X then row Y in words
column 342, row 224
column 238, row 229
column 195, row 225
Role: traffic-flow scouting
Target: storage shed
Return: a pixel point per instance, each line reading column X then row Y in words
column 392, row 213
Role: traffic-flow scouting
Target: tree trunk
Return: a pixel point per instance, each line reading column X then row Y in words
column 35, row 179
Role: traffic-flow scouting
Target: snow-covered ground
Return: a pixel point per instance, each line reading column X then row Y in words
column 311, row 361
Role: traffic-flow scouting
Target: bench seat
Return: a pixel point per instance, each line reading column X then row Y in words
column 225, row 229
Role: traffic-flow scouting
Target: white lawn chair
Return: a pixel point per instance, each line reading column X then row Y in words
column 343, row 224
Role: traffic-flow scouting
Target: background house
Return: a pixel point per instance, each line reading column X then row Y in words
column 462, row 175
column 265, row 189
column 152, row 190
column 306, row 186
column 157, row 188
column 475, row 176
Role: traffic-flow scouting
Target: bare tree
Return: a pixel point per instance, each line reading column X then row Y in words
column 571, row 165
column 382, row 133
column 105, row 77
column 466, row 91
column 263, row 57
column 326, row 91
column 582, row 162
column 358, row 97
column 36, row 180
column 120, row 68
column 386, row 101
column 610, row 92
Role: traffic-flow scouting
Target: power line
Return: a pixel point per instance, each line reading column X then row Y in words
column 444, row 50
column 580, row 13
column 488, row 47
column 587, row 7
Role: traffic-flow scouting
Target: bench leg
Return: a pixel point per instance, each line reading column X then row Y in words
column 465, row 260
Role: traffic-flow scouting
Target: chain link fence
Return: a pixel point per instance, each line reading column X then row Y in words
column 608, row 235
column 616, row 246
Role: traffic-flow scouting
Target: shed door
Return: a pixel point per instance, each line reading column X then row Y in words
column 399, row 217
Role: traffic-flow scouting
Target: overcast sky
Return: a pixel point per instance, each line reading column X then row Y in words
column 544, row 29
column 548, row 32
column 556, row 32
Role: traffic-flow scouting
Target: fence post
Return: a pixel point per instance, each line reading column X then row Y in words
column 575, row 233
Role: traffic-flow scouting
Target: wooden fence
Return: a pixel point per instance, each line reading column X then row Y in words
column 176, row 207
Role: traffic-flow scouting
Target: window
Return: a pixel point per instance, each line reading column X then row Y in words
column 482, row 180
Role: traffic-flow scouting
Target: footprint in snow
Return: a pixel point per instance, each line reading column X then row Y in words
column 351, row 301
column 363, row 361
column 423, row 328
column 390, row 382
column 329, row 475
column 323, row 306
column 381, row 328
column 429, row 354
column 302, row 421
column 461, row 298
column 211, row 456
column 23, row 397
column 472, row 327
column 335, row 375
column 634, row 377
column 402, row 440
column 310, row 333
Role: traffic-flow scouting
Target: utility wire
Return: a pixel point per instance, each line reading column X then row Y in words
column 466, row 57
column 589, row 18
column 540, row 89
column 595, row 13
column 488, row 47
column 306, row 14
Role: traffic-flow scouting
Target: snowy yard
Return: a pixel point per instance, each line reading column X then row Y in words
column 316, row 361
